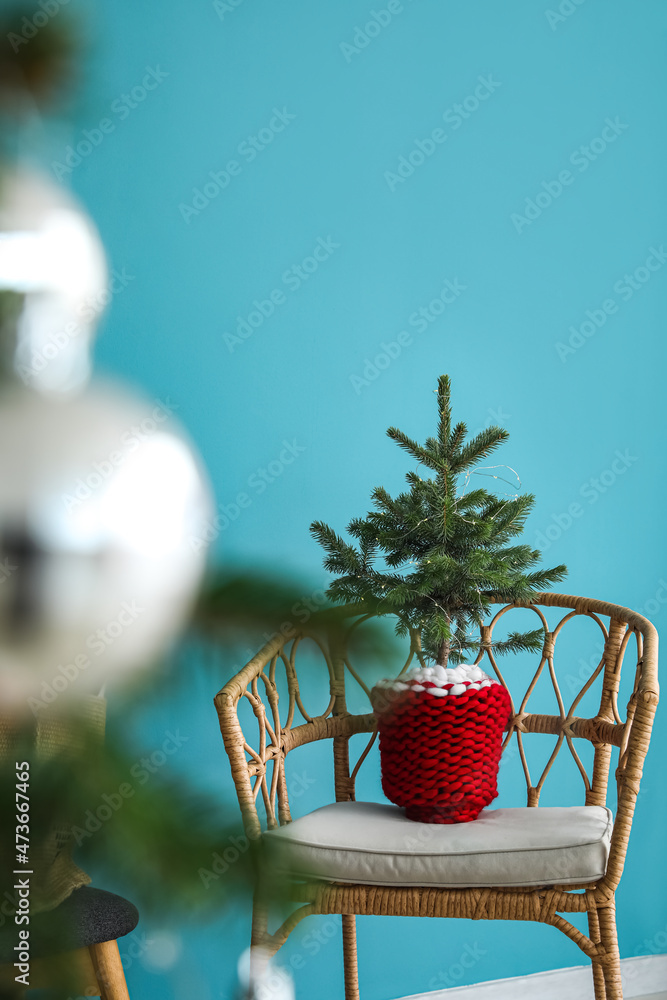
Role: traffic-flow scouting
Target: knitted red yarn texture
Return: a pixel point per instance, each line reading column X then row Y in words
column 440, row 756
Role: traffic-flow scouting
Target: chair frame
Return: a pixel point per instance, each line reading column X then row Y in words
column 606, row 730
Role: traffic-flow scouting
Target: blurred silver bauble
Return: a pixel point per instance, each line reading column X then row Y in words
column 103, row 511
column 52, row 259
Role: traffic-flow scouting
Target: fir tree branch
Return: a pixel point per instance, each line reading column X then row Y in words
column 444, row 411
column 457, row 438
column 416, row 450
column 479, row 447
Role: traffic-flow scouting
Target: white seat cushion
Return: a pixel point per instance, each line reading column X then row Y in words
column 374, row 844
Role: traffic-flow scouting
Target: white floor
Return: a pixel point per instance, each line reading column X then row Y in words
column 644, row 978
column 653, row 996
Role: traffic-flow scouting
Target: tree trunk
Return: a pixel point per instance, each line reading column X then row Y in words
column 443, row 652
column 445, row 646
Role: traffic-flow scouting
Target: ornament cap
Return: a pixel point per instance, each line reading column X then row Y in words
column 53, row 284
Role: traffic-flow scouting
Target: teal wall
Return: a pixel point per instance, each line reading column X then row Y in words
column 472, row 188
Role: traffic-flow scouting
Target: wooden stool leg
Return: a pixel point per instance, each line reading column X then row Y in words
column 350, row 957
column 611, row 963
column 109, row 971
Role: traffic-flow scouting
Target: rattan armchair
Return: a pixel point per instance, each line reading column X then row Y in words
column 260, row 773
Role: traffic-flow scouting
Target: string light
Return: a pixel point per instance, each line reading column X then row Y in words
column 483, row 471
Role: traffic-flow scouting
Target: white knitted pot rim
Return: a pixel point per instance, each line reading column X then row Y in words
column 440, row 682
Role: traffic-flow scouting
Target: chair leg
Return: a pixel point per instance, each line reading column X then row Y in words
column 598, row 981
column 598, row 973
column 109, row 971
column 350, row 957
column 260, row 922
column 611, row 963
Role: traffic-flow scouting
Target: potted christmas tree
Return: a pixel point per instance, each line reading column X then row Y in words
column 437, row 557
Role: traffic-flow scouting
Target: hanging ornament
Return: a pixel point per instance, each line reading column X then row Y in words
column 103, row 504
column 103, row 509
column 53, row 281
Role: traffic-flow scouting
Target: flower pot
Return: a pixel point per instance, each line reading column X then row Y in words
column 440, row 741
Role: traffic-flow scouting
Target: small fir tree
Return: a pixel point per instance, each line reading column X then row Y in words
column 445, row 549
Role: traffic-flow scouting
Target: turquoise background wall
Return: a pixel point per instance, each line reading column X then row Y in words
column 316, row 209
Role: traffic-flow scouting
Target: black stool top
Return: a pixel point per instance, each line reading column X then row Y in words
column 88, row 916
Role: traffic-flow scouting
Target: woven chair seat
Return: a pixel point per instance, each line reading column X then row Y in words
column 375, row 844
column 88, row 916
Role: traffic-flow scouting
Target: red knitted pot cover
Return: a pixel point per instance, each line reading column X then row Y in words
column 440, row 756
